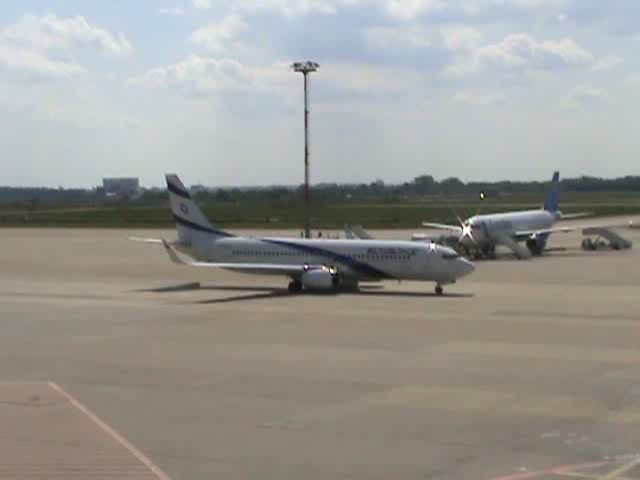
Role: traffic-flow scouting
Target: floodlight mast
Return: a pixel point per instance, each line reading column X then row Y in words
column 305, row 68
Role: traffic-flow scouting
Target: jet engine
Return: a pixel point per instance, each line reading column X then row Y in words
column 536, row 244
column 325, row 278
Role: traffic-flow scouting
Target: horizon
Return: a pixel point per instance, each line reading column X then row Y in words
column 329, row 184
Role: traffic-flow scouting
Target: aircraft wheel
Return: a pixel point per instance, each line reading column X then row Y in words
column 295, row 286
column 439, row 290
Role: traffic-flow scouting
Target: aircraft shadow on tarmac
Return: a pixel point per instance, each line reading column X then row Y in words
column 263, row 293
column 196, row 286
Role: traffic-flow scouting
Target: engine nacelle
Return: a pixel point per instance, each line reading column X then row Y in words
column 536, row 244
column 320, row 279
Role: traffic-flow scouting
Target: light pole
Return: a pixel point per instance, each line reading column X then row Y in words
column 305, row 68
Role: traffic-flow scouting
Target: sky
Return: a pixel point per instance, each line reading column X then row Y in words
column 476, row 89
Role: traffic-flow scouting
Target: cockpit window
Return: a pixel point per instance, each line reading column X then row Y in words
column 450, row 255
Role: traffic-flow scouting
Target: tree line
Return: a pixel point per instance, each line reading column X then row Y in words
column 421, row 186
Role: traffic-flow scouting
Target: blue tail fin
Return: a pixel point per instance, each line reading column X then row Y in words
column 552, row 201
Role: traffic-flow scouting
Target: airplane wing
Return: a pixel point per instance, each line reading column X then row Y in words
column 356, row 232
column 545, row 231
column 442, row 226
column 348, row 233
column 253, row 267
column 520, row 251
column 573, row 228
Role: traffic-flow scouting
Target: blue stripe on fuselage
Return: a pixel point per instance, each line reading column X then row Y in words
column 362, row 268
column 200, row 228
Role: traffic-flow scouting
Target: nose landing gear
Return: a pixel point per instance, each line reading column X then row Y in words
column 439, row 290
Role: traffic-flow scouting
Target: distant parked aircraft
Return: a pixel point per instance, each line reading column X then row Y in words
column 481, row 234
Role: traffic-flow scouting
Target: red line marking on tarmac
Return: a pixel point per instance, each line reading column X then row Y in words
column 552, row 471
column 157, row 471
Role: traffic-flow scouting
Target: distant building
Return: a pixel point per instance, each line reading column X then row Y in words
column 199, row 189
column 121, row 187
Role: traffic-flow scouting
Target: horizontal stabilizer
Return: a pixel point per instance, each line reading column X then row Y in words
column 146, row 240
column 573, row 228
column 442, row 226
column 572, row 216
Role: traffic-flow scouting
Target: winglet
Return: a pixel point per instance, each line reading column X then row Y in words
column 172, row 253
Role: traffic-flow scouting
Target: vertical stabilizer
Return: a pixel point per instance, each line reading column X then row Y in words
column 191, row 223
column 552, row 201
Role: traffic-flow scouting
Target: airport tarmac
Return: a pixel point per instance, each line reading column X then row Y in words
column 525, row 369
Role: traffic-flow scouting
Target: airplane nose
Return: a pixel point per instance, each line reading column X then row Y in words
column 465, row 267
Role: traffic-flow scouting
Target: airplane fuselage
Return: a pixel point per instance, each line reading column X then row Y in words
column 510, row 223
column 357, row 260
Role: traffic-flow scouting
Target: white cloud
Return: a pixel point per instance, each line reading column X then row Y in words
column 529, row 4
column 44, row 47
column 220, row 36
column 608, row 63
column 410, row 9
column 48, row 32
column 202, row 4
column 521, row 52
column 197, row 75
column 479, row 99
column 586, row 95
column 293, row 8
column 398, row 9
column 30, row 64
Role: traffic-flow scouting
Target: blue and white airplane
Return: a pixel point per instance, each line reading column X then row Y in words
column 310, row 264
column 482, row 233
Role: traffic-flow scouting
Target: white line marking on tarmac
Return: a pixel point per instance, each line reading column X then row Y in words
column 157, row 471
column 623, row 469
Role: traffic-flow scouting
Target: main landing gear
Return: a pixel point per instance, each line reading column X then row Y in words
column 295, row 286
column 439, row 290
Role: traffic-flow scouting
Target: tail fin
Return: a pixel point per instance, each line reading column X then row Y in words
column 191, row 223
column 552, row 201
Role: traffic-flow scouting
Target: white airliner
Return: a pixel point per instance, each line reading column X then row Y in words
column 311, row 264
column 482, row 233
